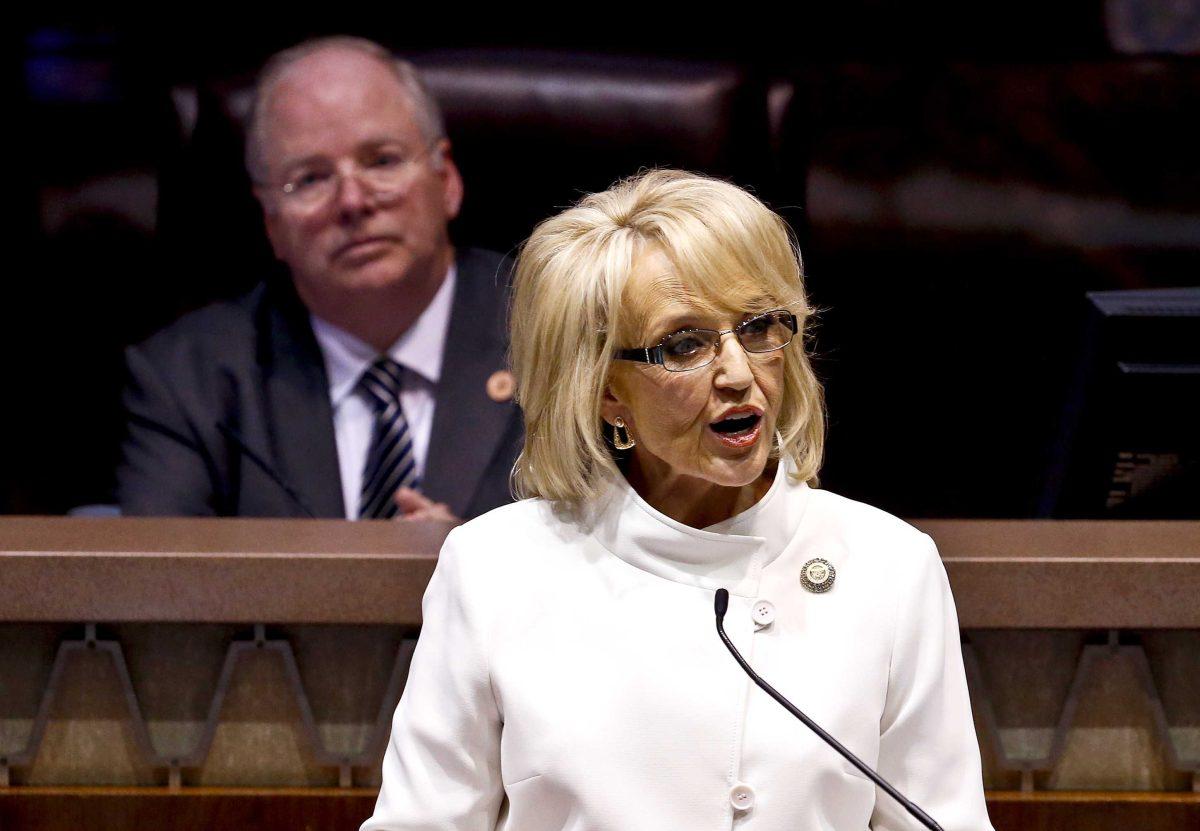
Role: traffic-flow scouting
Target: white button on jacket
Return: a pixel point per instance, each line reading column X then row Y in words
column 741, row 797
column 764, row 613
column 569, row 675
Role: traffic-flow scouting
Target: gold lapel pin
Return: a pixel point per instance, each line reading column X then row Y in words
column 818, row 575
column 500, row 385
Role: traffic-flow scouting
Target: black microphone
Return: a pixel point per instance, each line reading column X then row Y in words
column 721, row 605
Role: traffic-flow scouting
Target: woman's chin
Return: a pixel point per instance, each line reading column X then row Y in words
column 738, row 472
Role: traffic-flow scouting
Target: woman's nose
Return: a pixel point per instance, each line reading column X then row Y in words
column 733, row 364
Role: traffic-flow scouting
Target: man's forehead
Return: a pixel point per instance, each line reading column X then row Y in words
column 336, row 86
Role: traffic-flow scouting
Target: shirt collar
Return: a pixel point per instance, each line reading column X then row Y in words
column 730, row 554
column 418, row 350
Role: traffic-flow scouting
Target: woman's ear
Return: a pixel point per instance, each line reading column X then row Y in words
column 611, row 406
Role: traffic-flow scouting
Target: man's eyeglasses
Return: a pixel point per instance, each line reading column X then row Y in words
column 385, row 172
column 690, row 349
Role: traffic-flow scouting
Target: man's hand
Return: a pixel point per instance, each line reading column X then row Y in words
column 416, row 505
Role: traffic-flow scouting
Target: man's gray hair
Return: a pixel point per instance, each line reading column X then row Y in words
column 425, row 109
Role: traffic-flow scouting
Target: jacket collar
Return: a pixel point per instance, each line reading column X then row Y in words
column 731, row 554
column 302, row 449
column 469, row 426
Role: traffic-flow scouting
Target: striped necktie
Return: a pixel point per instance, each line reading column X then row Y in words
column 390, row 460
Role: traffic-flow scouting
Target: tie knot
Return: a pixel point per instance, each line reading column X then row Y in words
column 382, row 381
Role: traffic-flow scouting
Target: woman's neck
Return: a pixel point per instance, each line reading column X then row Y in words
column 692, row 501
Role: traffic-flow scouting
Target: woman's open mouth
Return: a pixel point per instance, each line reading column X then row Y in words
column 738, row 429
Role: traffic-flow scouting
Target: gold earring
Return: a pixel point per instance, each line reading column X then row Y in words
column 621, row 438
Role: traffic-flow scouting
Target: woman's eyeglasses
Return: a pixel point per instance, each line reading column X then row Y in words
column 690, row 349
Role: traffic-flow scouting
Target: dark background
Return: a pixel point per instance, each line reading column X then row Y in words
column 957, row 177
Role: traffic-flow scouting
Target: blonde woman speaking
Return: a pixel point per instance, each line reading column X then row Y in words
column 568, row 675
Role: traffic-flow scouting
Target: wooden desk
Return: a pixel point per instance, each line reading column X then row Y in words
column 1010, row 574
column 266, row 585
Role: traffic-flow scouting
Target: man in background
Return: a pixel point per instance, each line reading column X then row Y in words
column 371, row 384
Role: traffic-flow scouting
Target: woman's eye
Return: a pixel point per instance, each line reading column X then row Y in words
column 683, row 344
column 758, row 325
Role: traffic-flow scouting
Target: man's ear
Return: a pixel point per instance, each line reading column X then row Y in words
column 452, row 183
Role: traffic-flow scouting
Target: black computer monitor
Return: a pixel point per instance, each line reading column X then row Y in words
column 1129, row 441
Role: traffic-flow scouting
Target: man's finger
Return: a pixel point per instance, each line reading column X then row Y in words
column 410, row 500
column 415, row 505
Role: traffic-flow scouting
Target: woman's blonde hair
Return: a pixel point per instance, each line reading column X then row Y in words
column 730, row 253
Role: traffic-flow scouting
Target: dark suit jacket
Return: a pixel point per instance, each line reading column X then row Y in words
column 228, row 409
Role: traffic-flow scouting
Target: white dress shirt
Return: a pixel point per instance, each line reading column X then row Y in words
column 569, row 675
column 419, row 350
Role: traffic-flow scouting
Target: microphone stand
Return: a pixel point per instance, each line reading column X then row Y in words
column 721, row 606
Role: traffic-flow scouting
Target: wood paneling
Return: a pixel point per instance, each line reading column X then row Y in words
column 1044, row 574
column 1010, row 574
column 193, row 809
column 134, row 809
column 1094, row 811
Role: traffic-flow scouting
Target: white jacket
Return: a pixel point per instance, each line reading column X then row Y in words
column 569, row 675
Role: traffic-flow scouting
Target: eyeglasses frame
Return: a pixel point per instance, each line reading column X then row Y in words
column 654, row 354
column 287, row 190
